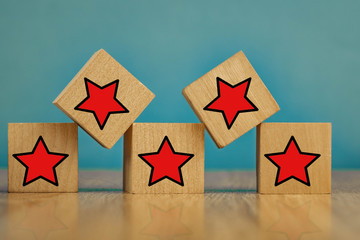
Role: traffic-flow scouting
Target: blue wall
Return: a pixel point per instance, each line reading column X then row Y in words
column 307, row 53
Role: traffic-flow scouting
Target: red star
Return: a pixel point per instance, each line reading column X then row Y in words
column 292, row 163
column 166, row 224
column 294, row 222
column 40, row 163
column 101, row 101
column 231, row 100
column 166, row 163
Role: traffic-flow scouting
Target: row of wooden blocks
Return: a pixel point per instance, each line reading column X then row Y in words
column 169, row 157
column 105, row 99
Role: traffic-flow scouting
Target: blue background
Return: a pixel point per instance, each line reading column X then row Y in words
column 306, row 52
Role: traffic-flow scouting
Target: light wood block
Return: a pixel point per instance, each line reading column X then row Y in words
column 293, row 158
column 176, row 170
column 244, row 100
column 107, row 114
column 294, row 216
column 42, row 157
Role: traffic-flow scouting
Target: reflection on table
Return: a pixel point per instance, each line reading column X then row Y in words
column 117, row 215
column 294, row 217
column 163, row 216
column 42, row 216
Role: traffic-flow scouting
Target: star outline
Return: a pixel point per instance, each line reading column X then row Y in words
column 166, row 138
column 101, row 126
column 218, row 80
column 56, row 183
column 292, row 139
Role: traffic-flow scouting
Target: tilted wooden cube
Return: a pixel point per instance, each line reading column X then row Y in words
column 104, row 99
column 42, row 157
column 293, row 158
column 230, row 100
column 164, row 158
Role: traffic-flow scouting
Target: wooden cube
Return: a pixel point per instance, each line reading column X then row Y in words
column 104, row 99
column 164, row 158
column 42, row 157
column 230, row 100
column 164, row 216
column 294, row 158
column 294, row 216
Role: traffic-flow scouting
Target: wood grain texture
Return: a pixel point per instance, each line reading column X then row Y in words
column 229, row 209
column 147, row 137
column 234, row 70
column 59, row 138
column 103, row 69
column 311, row 138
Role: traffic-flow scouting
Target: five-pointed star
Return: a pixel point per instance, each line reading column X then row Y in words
column 165, row 224
column 294, row 222
column 166, row 163
column 292, row 163
column 101, row 101
column 231, row 100
column 40, row 163
column 41, row 220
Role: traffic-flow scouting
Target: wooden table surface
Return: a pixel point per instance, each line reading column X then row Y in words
column 229, row 209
